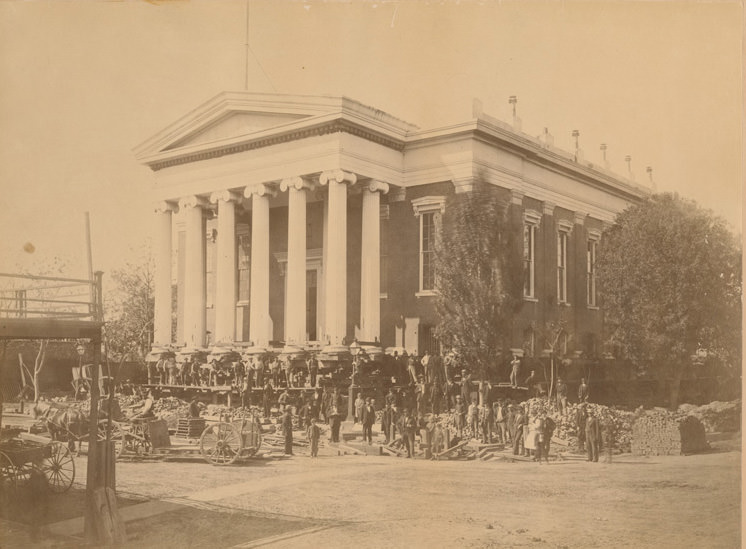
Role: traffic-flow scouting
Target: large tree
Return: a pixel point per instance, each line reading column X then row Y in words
column 479, row 276
column 129, row 311
column 670, row 273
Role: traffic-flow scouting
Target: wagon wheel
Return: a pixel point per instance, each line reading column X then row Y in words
column 7, row 474
column 252, row 438
column 220, row 444
column 59, row 468
column 136, row 439
column 117, row 437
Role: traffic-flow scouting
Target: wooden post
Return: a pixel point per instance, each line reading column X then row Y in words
column 93, row 447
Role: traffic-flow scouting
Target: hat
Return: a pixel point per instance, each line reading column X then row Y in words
column 463, row 371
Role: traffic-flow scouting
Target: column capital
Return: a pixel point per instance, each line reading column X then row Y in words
column 580, row 218
column 225, row 196
column 192, row 201
column 377, row 186
column 164, row 206
column 296, row 182
column 548, row 208
column 261, row 189
column 337, row 175
column 516, row 197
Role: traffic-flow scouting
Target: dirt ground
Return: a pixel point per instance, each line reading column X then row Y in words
column 367, row 501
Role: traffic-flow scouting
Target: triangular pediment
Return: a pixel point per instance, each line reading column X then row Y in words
column 235, row 124
column 232, row 120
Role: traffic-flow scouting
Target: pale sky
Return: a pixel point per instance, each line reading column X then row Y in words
column 83, row 83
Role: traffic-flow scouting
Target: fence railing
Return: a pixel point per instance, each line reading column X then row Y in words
column 32, row 296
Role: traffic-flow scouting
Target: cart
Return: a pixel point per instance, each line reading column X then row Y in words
column 224, row 442
column 19, row 457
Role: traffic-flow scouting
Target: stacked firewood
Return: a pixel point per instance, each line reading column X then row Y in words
column 660, row 432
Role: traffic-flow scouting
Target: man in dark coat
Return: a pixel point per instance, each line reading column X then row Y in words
column 516, row 431
column 408, row 427
column 287, row 429
column 267, row 394
column 387, row 418
column 581, row 417
column 593, row 437
column 368, row 419
column 583, row 391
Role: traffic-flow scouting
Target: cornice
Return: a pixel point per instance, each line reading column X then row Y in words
column 175, row 157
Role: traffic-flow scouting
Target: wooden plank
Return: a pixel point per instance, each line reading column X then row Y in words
column 451, row 450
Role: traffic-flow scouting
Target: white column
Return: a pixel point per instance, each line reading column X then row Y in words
column 370, row 262
column 295, row 301
column 259, row 289
column 321, row 296
column 225, row 275
column 336, row 268
column 162, row 313
column 194, row 276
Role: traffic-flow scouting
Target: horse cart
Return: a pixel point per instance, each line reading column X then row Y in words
column 20, row 457
column 230, row 439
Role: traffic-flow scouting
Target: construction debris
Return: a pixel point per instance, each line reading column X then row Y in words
column 663, row 433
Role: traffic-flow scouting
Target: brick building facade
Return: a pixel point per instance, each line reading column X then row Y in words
column 294, row 218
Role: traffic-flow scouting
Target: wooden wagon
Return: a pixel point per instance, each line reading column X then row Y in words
column 19, row 457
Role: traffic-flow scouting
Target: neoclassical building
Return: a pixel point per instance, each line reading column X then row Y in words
column 289, row 218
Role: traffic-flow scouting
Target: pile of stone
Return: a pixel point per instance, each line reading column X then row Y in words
column 659, row 432
column 717, row 417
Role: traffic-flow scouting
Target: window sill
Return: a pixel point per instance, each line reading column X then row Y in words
column 530, row 299
column 384, row 295
column 564, row 304
column 593, row 307
column 426, row 293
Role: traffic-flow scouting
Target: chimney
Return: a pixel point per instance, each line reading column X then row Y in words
column 607, row 164
column 513, row 100
column 628, row 160
column 653, row 186
column 578, row 151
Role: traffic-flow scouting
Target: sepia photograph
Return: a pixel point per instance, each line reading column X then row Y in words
column 371, row 273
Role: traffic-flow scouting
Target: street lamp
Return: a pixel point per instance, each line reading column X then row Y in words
column 354, row 351
column 81, row 352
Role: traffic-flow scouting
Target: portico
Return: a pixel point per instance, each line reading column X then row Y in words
column 271, row 212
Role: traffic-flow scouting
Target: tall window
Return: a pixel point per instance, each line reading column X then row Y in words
column 590, row 271
column 529, row 260
column 562, row 267
column 429, row 210
column 427, row 251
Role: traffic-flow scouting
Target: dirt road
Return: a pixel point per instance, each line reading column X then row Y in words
column 345, row 501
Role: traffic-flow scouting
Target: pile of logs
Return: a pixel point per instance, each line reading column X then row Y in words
column 661, row 433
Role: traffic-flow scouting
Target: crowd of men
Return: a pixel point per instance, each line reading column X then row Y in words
column 474, row 410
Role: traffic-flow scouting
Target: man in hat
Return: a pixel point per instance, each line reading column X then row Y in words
column 459, row 415
column 314, row 434
column 583, row 391
column 465, row 386
column 412, row 370
column 561, row 396
column 592, row 436
column 581, row 417
column 501, row 421
column 474, row 418
column 267, row 396
column 368, row 418
column 516, row 430
column 515, row 365
column 408, row 427
column 194, row 410
column 287, row 429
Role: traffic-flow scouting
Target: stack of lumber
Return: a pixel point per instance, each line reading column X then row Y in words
column 190, row 427
column 661, row 433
